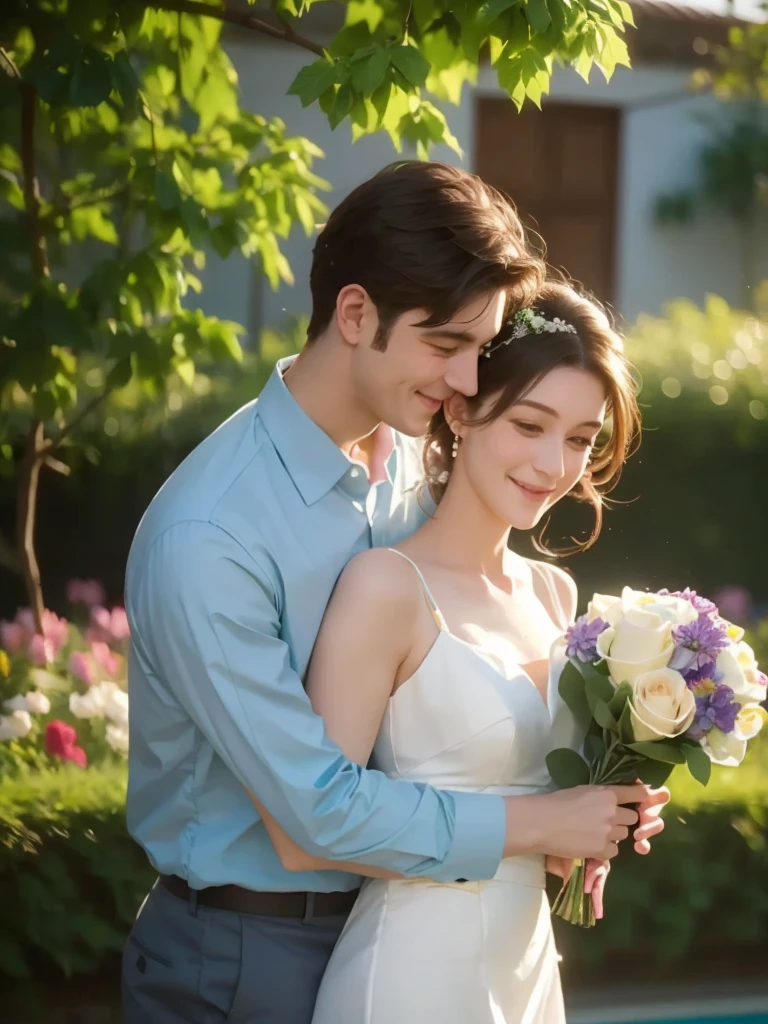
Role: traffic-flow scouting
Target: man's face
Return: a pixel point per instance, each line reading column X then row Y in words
column 421, row 367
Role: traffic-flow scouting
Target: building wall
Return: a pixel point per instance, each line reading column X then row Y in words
column 661, row 132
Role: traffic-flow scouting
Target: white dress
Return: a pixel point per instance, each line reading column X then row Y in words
column 417, row 951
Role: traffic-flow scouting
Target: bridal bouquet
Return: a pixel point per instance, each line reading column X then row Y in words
column 655, row 680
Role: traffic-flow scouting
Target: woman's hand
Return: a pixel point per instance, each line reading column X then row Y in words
column 594, row 884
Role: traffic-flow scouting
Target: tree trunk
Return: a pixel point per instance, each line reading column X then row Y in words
column 26, row 510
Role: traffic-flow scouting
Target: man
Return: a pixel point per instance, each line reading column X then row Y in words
column 227, row 581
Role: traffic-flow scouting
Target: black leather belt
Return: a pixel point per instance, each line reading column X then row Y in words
column 271, row 904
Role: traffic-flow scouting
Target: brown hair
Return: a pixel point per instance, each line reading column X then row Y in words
column 421, row 235
column 512, row 370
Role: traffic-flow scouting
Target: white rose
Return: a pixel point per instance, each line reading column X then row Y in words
column 605, row 607
column 16, row 725
column 17, row 703
column 750, row 720
column 739, row 670
column 675, row 610
column 638, row 643
column 661, row 705
column 38, row 703
column 116, row 704
column 89, row 705
column 117, row 738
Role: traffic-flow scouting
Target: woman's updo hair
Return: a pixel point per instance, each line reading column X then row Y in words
column 513, row 370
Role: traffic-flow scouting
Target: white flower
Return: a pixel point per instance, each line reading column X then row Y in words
column 15, row 726
column 117, row 738
column 45, row 680
column 34, row 701
column 661, row 705
column 38, row 703
column 17, row 703
column 739, row 670
column 89, row 705
column 537, row 322
column 727, row 749
column 116, row 704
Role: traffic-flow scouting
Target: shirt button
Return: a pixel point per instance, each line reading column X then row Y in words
column 354, row 473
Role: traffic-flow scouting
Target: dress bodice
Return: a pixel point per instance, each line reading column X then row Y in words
column 463, row 722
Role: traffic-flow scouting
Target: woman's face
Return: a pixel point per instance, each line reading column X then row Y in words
column 531, row 456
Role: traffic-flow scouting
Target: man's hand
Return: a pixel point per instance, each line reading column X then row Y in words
column 650, row 824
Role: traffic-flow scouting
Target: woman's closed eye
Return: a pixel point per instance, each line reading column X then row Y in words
column 528, row 428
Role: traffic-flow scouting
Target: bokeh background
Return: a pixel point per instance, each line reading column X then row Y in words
column 652, row 191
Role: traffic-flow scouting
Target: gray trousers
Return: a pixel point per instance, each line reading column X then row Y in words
column 187, row 964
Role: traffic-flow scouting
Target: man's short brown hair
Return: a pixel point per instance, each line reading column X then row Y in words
column 421, row 235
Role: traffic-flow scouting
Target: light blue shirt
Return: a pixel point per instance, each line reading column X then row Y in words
column 228, row 578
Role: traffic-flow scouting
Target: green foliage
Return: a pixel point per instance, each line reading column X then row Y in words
column 71, row 879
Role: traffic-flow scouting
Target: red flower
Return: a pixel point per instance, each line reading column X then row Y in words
column 61, row 740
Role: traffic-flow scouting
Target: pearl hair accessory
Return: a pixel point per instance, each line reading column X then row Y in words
column 526, row 322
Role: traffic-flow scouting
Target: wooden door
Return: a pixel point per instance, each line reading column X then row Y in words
column 560, row 167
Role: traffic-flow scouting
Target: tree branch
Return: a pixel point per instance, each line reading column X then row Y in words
column 54, row 443
column 37, row 248
column 240, row 18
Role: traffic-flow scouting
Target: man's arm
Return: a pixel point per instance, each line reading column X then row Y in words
column 206, row 615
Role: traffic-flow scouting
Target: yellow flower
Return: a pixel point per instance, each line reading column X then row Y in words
column 5, row 664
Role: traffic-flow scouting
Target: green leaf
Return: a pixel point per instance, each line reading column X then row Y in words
column 166, row 190
column 126, row 81
column 120, row 374
column 572, row 689
column 567, row 768
column 594, row 748
column 654, row 773
column 659, row 751
column 626, row 732
column 411, row 64
column 91, row 81
column 313, row 80
column 367, row 75
column 699, row 764
column 603, row 716
column 492, row 9
column 538, row 16
column 620, row 696
column 342, row 105
column 597, row 687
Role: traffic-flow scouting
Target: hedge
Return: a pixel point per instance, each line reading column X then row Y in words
column 71, row 880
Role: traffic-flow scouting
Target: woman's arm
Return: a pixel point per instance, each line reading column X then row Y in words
column 365, row 636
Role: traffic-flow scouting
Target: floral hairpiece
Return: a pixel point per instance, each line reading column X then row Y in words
column 528, row 321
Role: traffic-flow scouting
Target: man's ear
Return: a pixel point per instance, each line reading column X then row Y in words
column 356, row 314
column 456, row 413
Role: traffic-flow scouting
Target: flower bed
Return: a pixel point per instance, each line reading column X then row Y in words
column 63, row 690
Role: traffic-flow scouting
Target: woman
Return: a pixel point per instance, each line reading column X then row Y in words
column 452, row 633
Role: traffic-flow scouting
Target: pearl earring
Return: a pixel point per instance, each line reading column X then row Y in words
column 455, row 447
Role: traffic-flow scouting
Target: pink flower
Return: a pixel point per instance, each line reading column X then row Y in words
column 105, row 657
column 87, row 592
column 80, row 665
column 13, row 636
column 61, row 740
column 55, row 629
column 119, row 624
column 40, row 651
column 109, row 627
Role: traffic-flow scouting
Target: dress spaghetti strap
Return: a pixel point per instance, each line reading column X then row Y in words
column 437, row 615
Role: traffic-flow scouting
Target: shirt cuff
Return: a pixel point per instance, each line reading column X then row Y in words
column 478, row 838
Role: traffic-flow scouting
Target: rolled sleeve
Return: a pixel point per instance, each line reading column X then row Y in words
column 206, row 614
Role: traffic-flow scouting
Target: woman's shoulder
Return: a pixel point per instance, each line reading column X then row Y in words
column 560, row 586
column 383, row 577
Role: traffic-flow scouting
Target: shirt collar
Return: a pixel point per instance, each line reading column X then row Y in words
column 313, row 461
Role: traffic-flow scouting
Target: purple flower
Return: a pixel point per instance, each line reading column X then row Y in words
column 702, row 604
column 704, row 639
column 714, row 707
column 581, row 639
column 697, row 675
